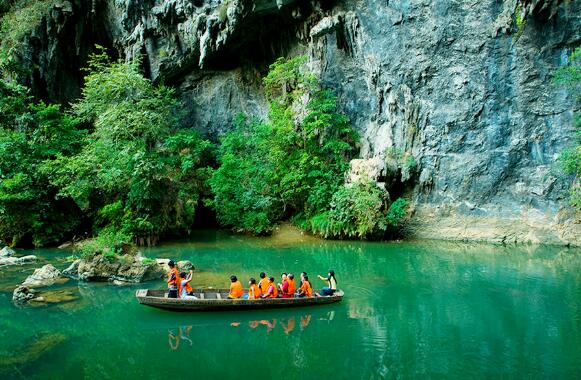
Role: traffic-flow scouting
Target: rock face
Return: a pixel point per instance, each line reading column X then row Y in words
column 455, row 106
column 126, row 268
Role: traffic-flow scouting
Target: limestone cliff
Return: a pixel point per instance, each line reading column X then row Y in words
column 455, row 106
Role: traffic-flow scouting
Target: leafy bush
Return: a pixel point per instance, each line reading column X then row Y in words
column 283, row 167
column 359, row 211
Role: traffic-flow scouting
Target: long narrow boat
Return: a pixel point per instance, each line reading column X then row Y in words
column 216, row 299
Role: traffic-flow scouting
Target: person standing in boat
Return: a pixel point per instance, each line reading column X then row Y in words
column 173, row 280
column 331, row 287
column 236, row 289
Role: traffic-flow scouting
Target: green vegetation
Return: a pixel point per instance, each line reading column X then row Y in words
column 570, row 159
column 293, row 165
column 31, row 135
column 118, row 169
column 138, row 175
column 361, row 210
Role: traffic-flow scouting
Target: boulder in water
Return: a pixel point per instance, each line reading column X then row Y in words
column 11, row 260
column 125, row 268
column 45, row 276
column 6, row 252
column 22, row 294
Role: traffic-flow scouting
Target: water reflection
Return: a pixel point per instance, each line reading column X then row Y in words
column 289, row 325
column 183, row 333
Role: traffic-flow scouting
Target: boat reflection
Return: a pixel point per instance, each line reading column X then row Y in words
column 297, row 323
column 174, row 339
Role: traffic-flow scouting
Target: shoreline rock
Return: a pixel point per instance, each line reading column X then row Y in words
column 132, row 268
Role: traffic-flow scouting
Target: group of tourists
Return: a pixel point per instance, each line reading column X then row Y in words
column 287, row 288
column 179, row 285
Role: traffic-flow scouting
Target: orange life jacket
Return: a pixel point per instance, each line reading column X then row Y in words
column 274, row 291
column 176, row 281
column 292, row 287
column 236, row 290
column 254, row 292
column 263, row 285
column 189, row 287
column 307, row 289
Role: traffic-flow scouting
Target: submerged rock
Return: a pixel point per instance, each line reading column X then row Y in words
column 53, row 297
column 30, row 353
column 45, row 276
column 126, row 268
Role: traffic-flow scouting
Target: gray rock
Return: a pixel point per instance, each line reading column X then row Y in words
column 6, row 261
column 22, row 294
column 6, row 252
column 124, row 268
column 45, row 276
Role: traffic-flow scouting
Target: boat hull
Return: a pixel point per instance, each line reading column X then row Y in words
column 216, row 300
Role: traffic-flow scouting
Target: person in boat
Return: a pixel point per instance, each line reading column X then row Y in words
column 306, row 290
column 272, row 291
column 186, row 289
column 253, row 290
column 331, row 287
column 292, row 286
column 288, row 287
column 263, row 283
column 283, row 284
column 236, row 290
column 173, row 280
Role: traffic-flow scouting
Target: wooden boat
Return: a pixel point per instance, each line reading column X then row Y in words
column 216, row 299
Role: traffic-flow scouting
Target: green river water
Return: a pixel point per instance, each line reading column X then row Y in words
column 411, row 310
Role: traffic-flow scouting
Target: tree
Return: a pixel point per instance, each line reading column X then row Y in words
column 138, row 174
column 30, row 135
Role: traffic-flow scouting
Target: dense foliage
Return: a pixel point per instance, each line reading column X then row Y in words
column 293, row 165
column 118, row 167
column 138, row 174
column 361, row 210
column 30, row 136
column 570, row 158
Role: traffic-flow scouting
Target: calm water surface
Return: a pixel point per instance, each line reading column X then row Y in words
column 411, row 310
